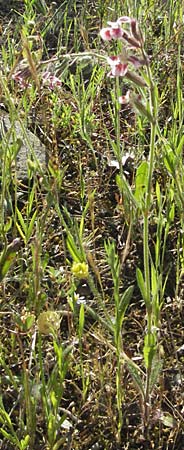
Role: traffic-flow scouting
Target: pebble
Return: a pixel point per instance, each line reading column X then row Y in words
column 14, row 136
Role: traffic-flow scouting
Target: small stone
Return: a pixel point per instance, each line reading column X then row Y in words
column 28, row 145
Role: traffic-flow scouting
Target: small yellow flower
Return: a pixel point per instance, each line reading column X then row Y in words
column 80, row 270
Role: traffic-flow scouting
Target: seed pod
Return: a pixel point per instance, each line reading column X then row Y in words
column 136, row 79
column 136, row 33
column 131, row 40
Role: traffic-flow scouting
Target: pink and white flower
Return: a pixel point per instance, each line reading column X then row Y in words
column 105, row 34
column 50, row 80
column 118, row 67
column 125, row 99
column 22, row 77
column 119, row 70
column 114, row 31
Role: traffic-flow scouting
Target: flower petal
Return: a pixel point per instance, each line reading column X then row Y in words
column 113, row 60
column 116, row 33
column 119, row 70
column 113, row 24
column 124, row 19
column 105, row 34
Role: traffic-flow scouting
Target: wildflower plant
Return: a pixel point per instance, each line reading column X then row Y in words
column 127, row 63
column 71, row 327
column 143, row 97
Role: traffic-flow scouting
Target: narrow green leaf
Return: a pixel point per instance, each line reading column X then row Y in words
column 170, row 161
column 81, row 227
column 149, row 349
column 25, row 442
column 107, row 324
column 142, row 109
column 31, row 225
column 8, row 225
column 155, row 371
column 141, row 284
column 124, row 302
column 136, row 375
column 158, row 193
column 179, row 149
column 67, row 351
column 21, row 232
column 81, row 320
column 168, row 420
column 7, row 257
column 29, row 321
column 154, row 280
column 21, row 221
column 74, row 252
column 172, row 212
column 30, row 202
column 125, row 189
column 9, row 437
column 141, row 181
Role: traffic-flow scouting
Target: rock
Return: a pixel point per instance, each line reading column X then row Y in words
column 27, row 145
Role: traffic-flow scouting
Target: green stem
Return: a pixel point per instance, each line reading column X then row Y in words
column 148, row 202
column 117, row 121
column 146, row 403
column 146, row 217
column 153, row 111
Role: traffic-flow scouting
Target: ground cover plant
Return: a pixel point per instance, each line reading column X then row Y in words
column 92, row 239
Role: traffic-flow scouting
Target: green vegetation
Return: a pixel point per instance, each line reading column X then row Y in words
column 92, row 240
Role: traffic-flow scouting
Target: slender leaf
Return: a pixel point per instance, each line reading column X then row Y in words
column 141, row 284
column 155, row 371
column 141, row 181
column 149, row 349
column 8, row 256
column 74, row 252
column 10, row 438
column 125, row 189
column 31, row 225
column 136, row 375
column 124, row 302
column 21, row 221
column 81, row 320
